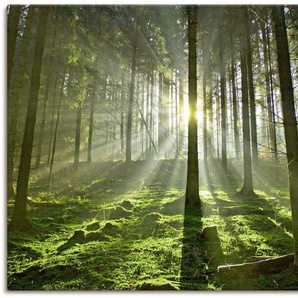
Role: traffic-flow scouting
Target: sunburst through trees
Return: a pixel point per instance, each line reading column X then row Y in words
column 166, row 133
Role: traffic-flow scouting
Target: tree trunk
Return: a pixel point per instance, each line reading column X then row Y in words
column 12, row 34
column 272, row 99
column 224, row 161
column 247, row 189
column 53, row 149
column 192, row 183
column 91, row 123
column 122, row 112
column 205, row 128
column 131, row 99
column 46, row 99
column 20, row 217
column 14, row 96
column 78, row 136
column 272, row 136
column 252, row 104
column 290, row 122
column 151, row 108
column 161, row 128
column 234, row 100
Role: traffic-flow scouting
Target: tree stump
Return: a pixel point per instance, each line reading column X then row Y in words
column 210, row 233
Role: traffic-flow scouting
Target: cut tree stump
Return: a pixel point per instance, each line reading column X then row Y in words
column 210, row 233
column 270, row 265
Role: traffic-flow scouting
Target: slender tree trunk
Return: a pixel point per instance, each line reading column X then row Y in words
column 192, row 183
column 131, row 99
column 272, row 136
column 53, row 149
column 181, row 115
column 52, row 117
column 272, row 98
column 234, row 99
column 91, row 124
column 20, row 215
column 14, row 96
column 252, row 103
column 177, row 117
column 247, row 188
column 161, row 128
column 205, row 127
column 46, row 99
column 78, row 136
column 122, row 112
column 151, row 107
column 209, row 108
column 290, row 122
column 223, row 108
column 12, row 34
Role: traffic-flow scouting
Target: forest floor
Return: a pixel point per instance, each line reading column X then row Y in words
column 104, row 228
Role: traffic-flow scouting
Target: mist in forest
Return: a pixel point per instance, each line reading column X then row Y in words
column 152, row 147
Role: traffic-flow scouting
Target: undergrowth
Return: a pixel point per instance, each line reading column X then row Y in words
column 111, row 231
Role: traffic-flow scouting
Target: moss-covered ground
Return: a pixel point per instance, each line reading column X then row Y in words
column 109, row 228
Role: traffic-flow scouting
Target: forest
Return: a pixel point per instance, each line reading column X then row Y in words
column 152, row 147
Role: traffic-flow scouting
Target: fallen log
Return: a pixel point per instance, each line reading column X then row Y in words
column 270, row 265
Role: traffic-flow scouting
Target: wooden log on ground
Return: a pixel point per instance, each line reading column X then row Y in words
column 253, row 269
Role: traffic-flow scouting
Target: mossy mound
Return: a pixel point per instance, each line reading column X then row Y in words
column 120, row 212
column 151, row 218
column 96, row 236
column 128, row 205
column 157, row 285
column 93, row 227
column 110, row 228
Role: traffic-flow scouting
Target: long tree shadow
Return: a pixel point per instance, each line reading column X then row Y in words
column 201, row 251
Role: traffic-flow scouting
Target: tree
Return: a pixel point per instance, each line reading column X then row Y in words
column 12, row 34
column 247, row 189
column 192, row 183
column 270, row 114
column 289, row 121
column 223, row 104
column 131, row 96
column 234, row 100
column 14, row 95
column 252, row 103
column 20, row 217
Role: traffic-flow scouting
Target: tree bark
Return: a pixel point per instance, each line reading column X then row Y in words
column 78, row 136
column 49, row 80
column 20, row 215
column 272, row 136
column 224, row 160
column 131, row 98
column 247, row 189
column 14, row 96
column 252, row 103
column 289, row 122
column 234, row 100
column 192, row 183
column 12, row 34
column 91, row 123
column 53, row 149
